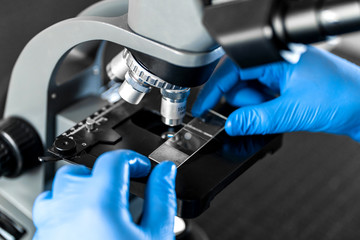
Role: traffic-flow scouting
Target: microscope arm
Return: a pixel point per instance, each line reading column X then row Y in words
column 47, row 52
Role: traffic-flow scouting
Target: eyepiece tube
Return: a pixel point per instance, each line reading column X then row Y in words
column 132, row 90
column 117, row 68
column 314, row 21
column 339, row 17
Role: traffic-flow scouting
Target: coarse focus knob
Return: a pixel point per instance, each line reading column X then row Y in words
column 5, row 158
column 20, row 147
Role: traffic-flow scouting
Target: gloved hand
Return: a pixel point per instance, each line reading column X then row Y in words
column 94, row 205
column 321, row 93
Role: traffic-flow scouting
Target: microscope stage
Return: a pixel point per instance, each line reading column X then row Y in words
column 207, row 158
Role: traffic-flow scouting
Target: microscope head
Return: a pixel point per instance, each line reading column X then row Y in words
column 137, row 80
column 178, row 25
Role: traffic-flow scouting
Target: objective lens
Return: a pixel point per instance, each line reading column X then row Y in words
column 117, row 68
column 173, row 106
column 132, row 90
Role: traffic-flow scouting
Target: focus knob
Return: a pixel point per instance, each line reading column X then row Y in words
column 20, row 147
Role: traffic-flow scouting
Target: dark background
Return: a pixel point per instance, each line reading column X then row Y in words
column 20, row 20
column 309, row 189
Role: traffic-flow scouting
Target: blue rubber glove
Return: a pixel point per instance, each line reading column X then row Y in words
column 95, row 205
column 321, row 93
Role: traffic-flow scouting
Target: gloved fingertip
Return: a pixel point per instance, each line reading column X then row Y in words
column 71, row 169
column 355, row 136
column 125, row 163
column 229, row 127
column 140, row 165
column 168, row 168
column 166, row 171
column 196, row 110
column 44, row 196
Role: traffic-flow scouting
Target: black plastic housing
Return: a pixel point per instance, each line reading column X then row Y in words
column 254, row 32
column 176, row 75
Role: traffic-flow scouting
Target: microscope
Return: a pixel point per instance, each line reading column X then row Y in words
column 68, row 101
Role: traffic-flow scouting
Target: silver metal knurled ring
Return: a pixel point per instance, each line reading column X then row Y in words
column 143, row 75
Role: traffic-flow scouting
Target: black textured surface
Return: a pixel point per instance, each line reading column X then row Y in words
column 309, row 189
column 179, row 76
column 5, row 158
column 24, row 148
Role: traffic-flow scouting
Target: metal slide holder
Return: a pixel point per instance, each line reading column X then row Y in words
column 190, row 139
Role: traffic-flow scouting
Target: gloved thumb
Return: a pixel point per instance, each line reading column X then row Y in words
column 276, row 116
column 160, row 201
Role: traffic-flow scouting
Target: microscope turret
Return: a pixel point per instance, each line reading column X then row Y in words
column 182, row 30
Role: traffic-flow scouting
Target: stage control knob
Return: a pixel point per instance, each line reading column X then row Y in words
column 20, row 147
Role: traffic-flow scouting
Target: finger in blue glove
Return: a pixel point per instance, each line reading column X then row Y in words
column 320, row 93
column 94, row 205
